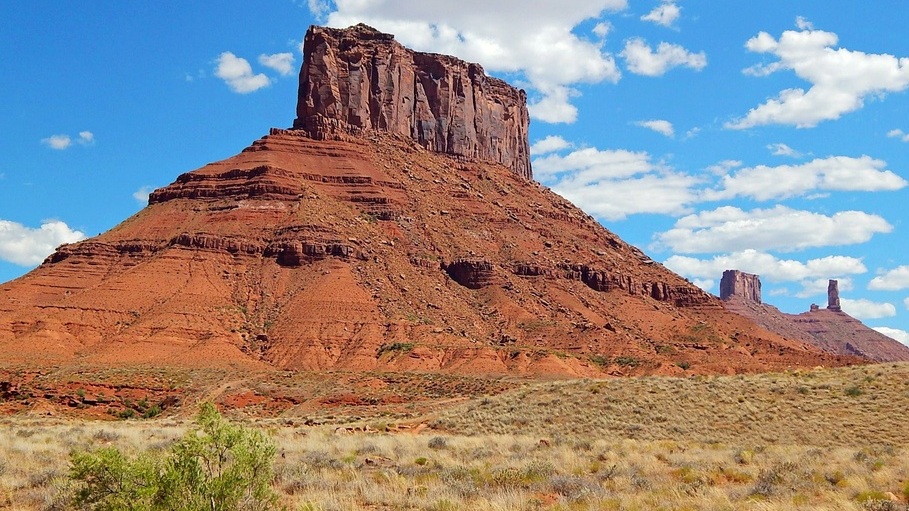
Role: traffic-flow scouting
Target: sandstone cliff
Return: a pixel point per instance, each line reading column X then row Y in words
column 744, row 285
column 361, row 79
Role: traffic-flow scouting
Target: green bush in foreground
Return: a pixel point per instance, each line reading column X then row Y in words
column 219, row 466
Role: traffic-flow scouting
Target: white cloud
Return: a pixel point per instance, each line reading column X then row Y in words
column 283, row 63
column 693, row 132
column 64, row 141
column 705, row 284
column 658, row 125
column 554, row 106
column 602, row 29
column 866, row 309
column 728, row 228
column 722, row 168
column 840, row 79
column 27, row 247
column 783, row 150
column 803, row 24
column 319, row 8
column 537, row 41
column 894, row 333
column 814, row 287
column 892, row 280
column 900, row 134
column 238, row 75
column 835, row 173
column 613, row 184
column 591, row 164
column 642, row 60
column 906, row 302
column 665, row 194
column 664, row 14
column 767, row 266
column 141, row 195
column 549, row 144
column 58, row 142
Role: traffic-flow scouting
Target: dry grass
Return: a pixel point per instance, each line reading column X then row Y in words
column 857, row 406
column 710, row 451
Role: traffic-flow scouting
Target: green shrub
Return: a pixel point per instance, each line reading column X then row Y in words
column 403, row 347
column 218, row 466
column 854, row 391
column 627, row 361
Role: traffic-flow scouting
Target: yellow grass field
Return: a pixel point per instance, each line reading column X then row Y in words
column 810, row 440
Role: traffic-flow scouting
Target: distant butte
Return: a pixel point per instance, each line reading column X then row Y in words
column 830, row 329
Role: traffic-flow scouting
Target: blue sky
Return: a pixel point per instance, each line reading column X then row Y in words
column 770, row 137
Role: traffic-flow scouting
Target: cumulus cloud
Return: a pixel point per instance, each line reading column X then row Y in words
column 602, row 29
column 767, row 266
column 238, row 74
column 781, row 149
column 835, row 173
column 815, row 287
column 658, row 125
column 549, row 144
column 283, row 63
column 729, row 229
column 722, row 168
column 705, row 284
column 891, row 280
column 504, row 36
column 58, row 142
column 63, row 141
column 319, row 8
column 840, row 79
column 26, row 246
column 141, row 195
column 664, row 14
column 867, row 309
column 613, row 184
column 641, row 59
column 894, row 333
column 898, row 133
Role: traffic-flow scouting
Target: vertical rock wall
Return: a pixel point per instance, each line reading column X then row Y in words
column 361, row 79
column 833, row 295
column 745, row 285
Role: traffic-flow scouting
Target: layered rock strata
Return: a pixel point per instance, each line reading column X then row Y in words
column 360, row 79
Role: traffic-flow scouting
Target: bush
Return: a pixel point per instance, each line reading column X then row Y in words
column 854, row 391
column 218, row 466
column 438, row 442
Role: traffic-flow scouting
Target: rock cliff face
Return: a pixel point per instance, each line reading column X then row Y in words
column 360, row 79
column 745, row 285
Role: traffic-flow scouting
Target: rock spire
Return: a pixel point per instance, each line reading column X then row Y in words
column 833, row 295
column 359, row 79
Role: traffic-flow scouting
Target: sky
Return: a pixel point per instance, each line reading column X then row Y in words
column 769, row 137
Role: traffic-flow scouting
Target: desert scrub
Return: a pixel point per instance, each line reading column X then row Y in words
column 395, row 347
column 217, row 466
